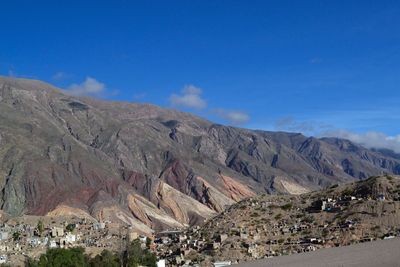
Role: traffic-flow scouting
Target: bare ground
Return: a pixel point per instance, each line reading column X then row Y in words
column 383, row 253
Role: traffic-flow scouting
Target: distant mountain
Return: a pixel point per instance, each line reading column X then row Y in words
column 151, row 167
column 387, row 152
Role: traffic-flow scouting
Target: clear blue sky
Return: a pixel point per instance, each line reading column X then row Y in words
column 291, row 65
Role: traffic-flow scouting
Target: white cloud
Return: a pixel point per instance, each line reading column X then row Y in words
column 60, row 76
column 307, row 127
column 233, row 117
column 90, row 87
column 369, row 139
column 190, row 98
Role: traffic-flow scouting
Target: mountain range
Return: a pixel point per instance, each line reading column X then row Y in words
column 151, row 167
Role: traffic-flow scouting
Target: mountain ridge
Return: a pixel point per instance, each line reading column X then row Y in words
column 138, row 163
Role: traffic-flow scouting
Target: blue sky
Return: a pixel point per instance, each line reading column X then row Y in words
column 316, row 67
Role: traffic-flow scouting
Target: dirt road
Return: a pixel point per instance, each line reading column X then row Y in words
column 383, row 253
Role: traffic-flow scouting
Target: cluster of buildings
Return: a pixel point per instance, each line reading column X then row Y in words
column 253, row 229
column 31, row 240
column 282, row 232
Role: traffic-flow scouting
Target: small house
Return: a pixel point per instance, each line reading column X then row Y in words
column 57, row 231
column 222, row 263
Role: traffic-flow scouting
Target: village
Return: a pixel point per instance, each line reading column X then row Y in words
column 264, row 227
column 18, row 241
column 261, row 227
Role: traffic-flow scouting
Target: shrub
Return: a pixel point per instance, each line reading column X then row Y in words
column 287, row 206
column 347, row 192
column 390, row 178
column 40, row 227
column 105, row 259
column 254, row 214
column 16, row 236
column 71, row 227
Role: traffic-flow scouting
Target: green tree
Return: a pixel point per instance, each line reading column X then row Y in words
column 71, row 227
column 16, row 236
column 287, row 206
column 136, row 256
column 58, row 257
column 40, row 227
column 31, row 263
column 148, row 242
column 133, row 254
column 105, row 259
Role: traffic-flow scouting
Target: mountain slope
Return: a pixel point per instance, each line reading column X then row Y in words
column 267, row 226
column 139, row 161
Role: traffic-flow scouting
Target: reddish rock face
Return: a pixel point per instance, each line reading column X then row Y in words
column 149, row 166
column 177, row 176
column 235, row 190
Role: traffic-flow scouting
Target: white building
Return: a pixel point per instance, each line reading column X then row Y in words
column 161, row 263
column 57, row 231
column 52, row 244
column 222, row 263
column 34, row 241
column 4, row 235
column 143, row 239
column 70, row 238
column 3, row 259
column 99, row 226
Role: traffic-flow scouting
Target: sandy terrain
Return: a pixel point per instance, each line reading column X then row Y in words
column 383, row 253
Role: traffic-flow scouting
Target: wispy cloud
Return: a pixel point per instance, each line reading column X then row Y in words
column 139, row 96
column 306, row 127
column 190, row 97
column 59, row 76
column 369, row 139
column 232, row 116
column 89, row 87
column 13, row 74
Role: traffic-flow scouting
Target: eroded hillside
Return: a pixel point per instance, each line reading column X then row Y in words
column 152, row 167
